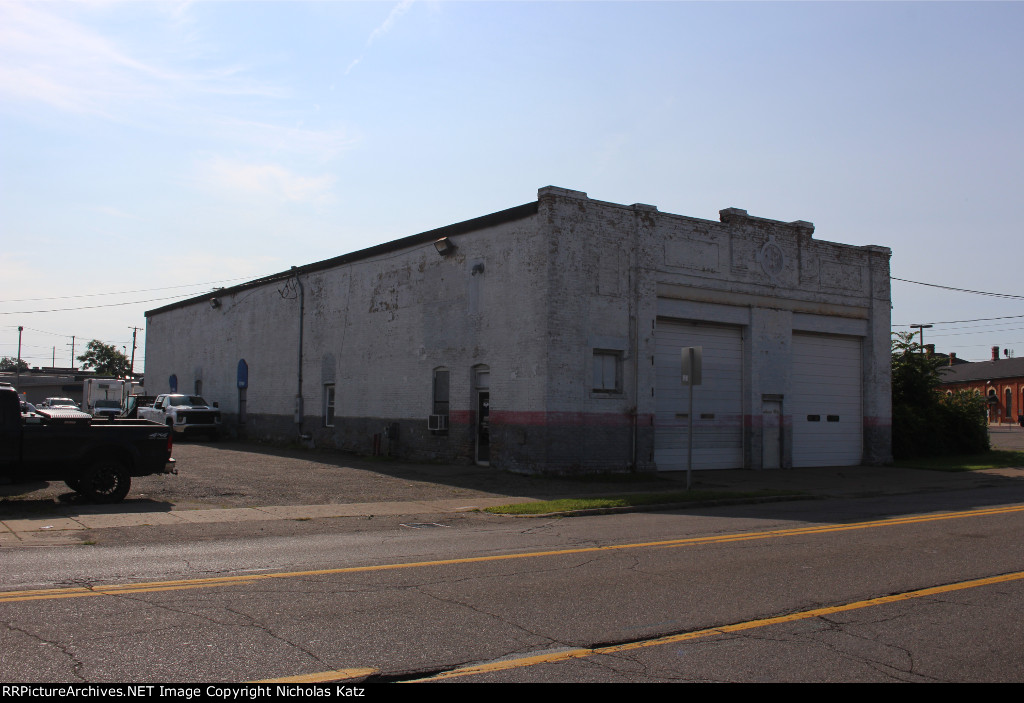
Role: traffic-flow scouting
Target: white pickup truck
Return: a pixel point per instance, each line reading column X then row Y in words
column 185, row 414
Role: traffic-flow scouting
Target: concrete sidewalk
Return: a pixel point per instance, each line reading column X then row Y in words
column 60, row 529
column 68, row 525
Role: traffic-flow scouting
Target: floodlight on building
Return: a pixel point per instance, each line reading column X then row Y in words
column 214, row 303
column 444, row 246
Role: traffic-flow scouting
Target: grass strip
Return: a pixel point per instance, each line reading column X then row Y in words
column 995, row 459
column 628, row 501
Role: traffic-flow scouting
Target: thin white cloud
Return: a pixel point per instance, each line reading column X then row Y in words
column 396, row 14
column 355, row 62
column 47, row 58
column 266, row 180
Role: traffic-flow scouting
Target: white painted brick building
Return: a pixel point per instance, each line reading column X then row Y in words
column 547, row 337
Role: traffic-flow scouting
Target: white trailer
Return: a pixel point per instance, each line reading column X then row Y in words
column 94, row 389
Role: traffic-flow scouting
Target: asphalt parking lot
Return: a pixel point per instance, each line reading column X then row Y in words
column 239, row 474
column 246, row 475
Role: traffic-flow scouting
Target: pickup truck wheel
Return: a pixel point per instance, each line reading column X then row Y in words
column 106, row 481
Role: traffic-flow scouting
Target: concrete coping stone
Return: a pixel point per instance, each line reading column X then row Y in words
column 563, row 192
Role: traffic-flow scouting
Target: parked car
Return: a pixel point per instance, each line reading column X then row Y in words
column 59, row 403
column 106, row 408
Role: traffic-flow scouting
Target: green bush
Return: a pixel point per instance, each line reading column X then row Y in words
column 965, row 424
column 924, row 421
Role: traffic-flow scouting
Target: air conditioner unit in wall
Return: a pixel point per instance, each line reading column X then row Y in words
column 437, row 422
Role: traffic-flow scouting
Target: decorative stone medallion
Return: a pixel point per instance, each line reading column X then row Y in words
column 772, row 259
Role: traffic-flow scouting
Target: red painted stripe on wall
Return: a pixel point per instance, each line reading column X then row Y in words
column 548, row 419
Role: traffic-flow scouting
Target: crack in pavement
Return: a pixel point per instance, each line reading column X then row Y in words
column 495, row 616
column 885, row 668
column 77, row 664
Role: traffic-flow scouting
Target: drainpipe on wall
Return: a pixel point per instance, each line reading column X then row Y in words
column 634, row 332
column 299, row 410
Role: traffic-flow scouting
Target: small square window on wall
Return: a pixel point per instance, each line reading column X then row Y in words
column 607, row 371
column 328, row 405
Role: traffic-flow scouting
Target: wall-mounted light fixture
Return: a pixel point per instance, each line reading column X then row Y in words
column 444, row 246
column 214, row 303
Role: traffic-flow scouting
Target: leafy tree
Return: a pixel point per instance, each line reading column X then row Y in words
column 105, row 358
column 926, row 422
column 9, row 363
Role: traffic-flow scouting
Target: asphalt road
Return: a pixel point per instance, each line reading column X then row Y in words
column 785, row 591
column 413, row 600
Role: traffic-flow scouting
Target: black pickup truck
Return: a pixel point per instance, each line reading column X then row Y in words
column 94, row 457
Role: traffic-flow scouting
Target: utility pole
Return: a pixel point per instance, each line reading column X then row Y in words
column 17, row 363
column 131, row 369
column 72, row 351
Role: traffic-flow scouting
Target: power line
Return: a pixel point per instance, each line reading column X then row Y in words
column 55, row 334
column 92, row 307
column 988, row 346
column 124, row 292
column 961, row 290
column 962, row 334
column 1000, row 327
column 955, row 322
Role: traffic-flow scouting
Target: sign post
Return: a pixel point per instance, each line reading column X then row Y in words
column 691, row 359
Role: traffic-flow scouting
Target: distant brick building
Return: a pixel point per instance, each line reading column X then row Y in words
column 1001, row 381
column 547, row 337
column 948, row 359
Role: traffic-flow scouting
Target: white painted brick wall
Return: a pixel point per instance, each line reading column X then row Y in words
column 579, row 270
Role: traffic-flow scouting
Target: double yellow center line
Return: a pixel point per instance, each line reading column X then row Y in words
column 569, row 654
column 214, row 582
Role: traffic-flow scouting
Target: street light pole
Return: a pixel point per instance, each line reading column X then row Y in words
column 922, row 328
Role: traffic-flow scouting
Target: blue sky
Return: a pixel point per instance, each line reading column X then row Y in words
column 152, row 150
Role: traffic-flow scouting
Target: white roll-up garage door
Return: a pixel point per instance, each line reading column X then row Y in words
column 717, row 402
column 826, row 403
